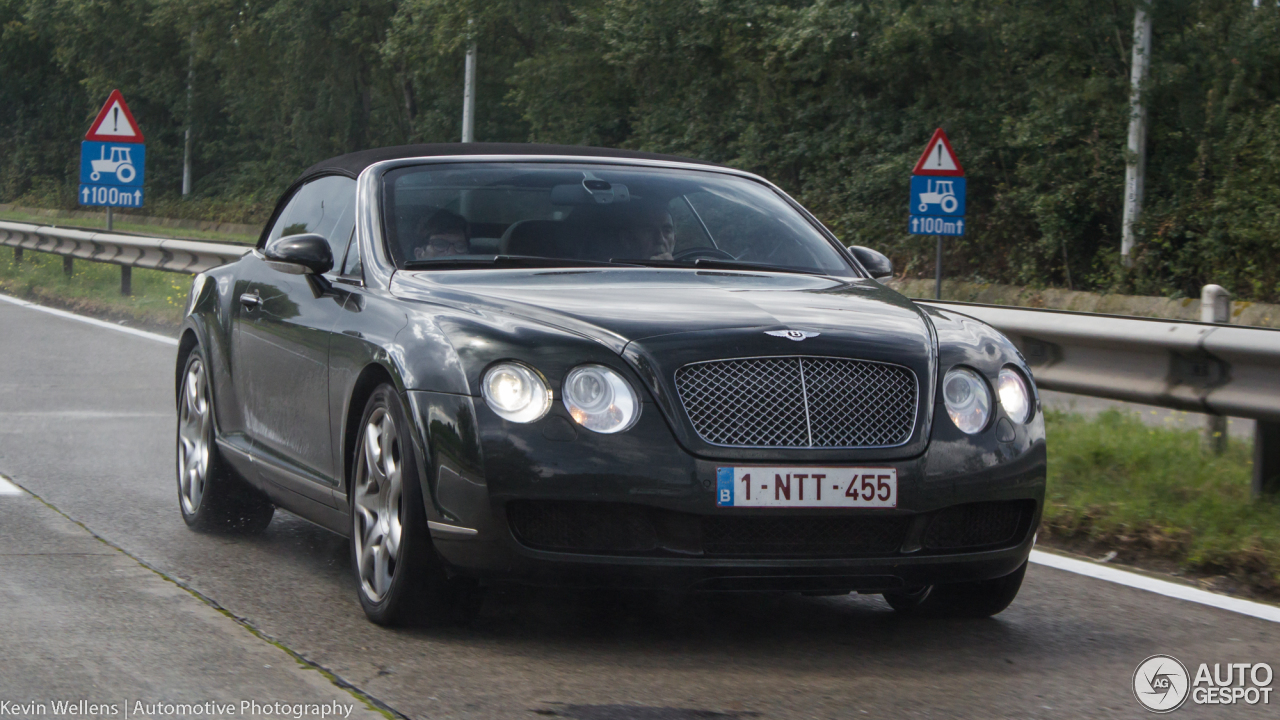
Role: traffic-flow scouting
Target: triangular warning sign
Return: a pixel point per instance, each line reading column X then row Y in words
column 115, row 123
column 938, row 158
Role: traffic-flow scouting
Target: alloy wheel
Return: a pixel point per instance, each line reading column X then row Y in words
column 194, row 436
column 376, row 506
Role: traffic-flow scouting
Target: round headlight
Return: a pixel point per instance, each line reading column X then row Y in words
column 967, row 398
column 1014, row 395
column 600, row 399
column 515, row 392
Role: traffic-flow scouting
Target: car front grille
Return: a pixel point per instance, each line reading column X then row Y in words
column 806, row 402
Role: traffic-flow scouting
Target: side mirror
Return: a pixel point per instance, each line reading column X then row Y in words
column 875, row 262
column 307, row 254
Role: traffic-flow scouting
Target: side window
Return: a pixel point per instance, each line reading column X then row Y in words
column 325, row 206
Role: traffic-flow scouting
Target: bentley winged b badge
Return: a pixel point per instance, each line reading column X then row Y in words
column 796, row 335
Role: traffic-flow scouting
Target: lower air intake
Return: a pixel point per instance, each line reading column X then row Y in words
column 618, row 528
column 979, row 525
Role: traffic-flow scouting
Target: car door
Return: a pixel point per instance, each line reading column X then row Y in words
column 284, row 342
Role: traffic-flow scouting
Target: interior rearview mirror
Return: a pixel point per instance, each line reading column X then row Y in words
column 875, row 262
column 307, row 254
column 591, row 191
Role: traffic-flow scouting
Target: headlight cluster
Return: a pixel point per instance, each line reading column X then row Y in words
column 600, row 399
column 1014, row 394
column 968, row 398
column 516, row 392
column 597, row 397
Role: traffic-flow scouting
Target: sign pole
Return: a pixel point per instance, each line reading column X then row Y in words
column 110, row 218
column 937, row 281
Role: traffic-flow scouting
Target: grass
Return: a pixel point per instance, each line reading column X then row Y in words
column 94, row 288
column 1152, row 492
column 122, row 224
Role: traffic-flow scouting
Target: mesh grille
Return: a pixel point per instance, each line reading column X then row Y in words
column 799, row 402
column 582, row 527
column 977, row 525
column 624, row 529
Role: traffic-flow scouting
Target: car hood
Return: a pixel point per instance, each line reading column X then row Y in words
column 660, row 319
column 621, row 306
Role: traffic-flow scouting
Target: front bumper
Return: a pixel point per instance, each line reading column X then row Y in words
column 661, row 500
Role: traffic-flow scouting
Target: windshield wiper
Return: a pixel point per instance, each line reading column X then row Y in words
column 715, row 264
column 505, row 261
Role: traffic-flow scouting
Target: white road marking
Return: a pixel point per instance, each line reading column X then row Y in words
column 90, row 321
column 1159, row 587
column 8, row 488
column 1079, row 567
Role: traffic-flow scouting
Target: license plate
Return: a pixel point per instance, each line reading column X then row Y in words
column 807, row 487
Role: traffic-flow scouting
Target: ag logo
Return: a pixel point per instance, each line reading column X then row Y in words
column 1161, row 683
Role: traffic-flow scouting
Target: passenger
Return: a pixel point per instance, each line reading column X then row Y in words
column 442, row 234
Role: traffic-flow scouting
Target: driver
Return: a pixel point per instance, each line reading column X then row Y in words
column 654, row 233
column 442, row 234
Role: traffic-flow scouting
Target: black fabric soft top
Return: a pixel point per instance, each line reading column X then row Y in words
column 353, row 163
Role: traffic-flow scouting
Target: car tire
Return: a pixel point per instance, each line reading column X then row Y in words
column 211, row 495
column 401, row 579
column 978, row 599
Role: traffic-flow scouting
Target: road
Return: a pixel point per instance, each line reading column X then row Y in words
column 87, row 425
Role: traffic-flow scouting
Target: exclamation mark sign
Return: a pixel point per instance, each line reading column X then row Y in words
column 939, row 149
column 115, row 119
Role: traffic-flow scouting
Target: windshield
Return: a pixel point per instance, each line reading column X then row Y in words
column 469, row 215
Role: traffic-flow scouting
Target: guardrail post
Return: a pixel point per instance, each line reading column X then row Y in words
column 1266, row 459
column 1215, row 307
column 67, row 265
column 17, row 255
column 126, row 280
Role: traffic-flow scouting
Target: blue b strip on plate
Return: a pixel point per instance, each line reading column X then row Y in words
column 724, row 487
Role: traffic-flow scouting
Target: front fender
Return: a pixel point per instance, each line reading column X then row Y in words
column 1005, row 454
column 210, row 320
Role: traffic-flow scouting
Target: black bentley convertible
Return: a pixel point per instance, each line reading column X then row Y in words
column 578, row 366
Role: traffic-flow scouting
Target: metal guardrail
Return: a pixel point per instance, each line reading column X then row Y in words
column 128, row 251
column 1202, row 367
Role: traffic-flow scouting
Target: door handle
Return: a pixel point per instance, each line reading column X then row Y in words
column 250, row 301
